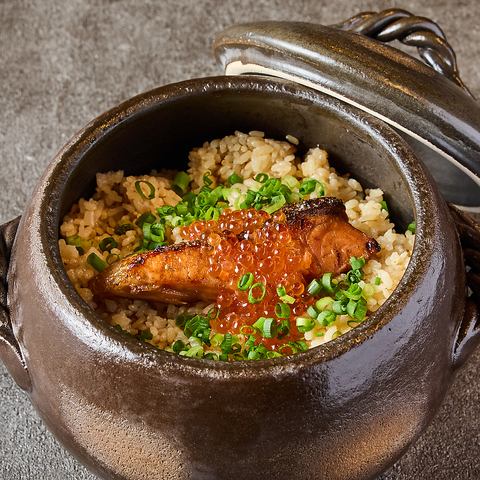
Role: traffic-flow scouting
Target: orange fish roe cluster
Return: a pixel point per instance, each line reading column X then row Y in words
column 252, row 241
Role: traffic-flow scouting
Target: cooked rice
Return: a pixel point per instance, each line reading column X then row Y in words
column 116, row 202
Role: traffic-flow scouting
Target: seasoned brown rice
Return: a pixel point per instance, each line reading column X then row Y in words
column 116, row 202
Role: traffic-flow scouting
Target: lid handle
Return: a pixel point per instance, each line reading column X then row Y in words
column 420, row 32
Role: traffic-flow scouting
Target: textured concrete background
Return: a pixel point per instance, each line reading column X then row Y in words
column 63, row 62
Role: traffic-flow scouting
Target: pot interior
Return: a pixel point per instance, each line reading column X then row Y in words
column 156, row 131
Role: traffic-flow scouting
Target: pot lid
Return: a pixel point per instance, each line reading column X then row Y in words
column 427, row 103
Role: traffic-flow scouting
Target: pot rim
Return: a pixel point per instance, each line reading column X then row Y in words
column 48, row 193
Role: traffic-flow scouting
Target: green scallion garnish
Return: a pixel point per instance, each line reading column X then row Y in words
column 377, row 281
column 178, row 346
column 261, row 177
column 312, row 311
column 145, row 335
column 107, row 244
column 122, row 229
column 96, row 262
column 327, row 282
column 326, row 317
column 257, row 297
column 181, row 182
column 226, row 345
column 139, row 189
column 246, row 281
column 282, row 310
column 147, row 217
column 314, row 287
column 281, row 291
column 323, row 303
column 412, row 227
column 233, row 179
column 384, row 205
column 307, row 186
column 304, row 324
column 357, row 263
column 268, row 329
column 283, row 328
column 206, row 178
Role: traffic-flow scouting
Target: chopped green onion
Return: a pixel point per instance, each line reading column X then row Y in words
column 304, row 324
column 252, row 298
column 96, row 262
column 107, row 244
column 259, row 323
column 283, row 328
column 216, row 340
column 165, row 210
column 377, row 281
column 351, row 306
column 314, row 287
column 157, row 232
column 194, row 352
column 281, row 291
column 180, row 183
column 287, row 299
column 268, row 329
column 357, row 310
column 312, row 311
column 323, row 303
column 282, row 310
column 151, row 188
column 79, row 243
column 384, row 205
column 357, row 263
column 277, row 203
column 223, row 357
column 261, row 177
column 206, row 178
column 354, row 292
column 361, row 310
column 354, row 276
column 122, row 229
column 412, row 227
column 145, row 335
column 339, row 307
column 226, row 345
column 178, row 346
column 211, row 356
column 326, row 317
column 307, row 186
column 246, row 281
column 300, row 345
column 290, row 181
column 197, row 326
column 147, row 217
column 182, row 319
column 327, row 282
column 233, row 179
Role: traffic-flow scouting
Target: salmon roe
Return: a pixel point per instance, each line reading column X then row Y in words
column 252, row 241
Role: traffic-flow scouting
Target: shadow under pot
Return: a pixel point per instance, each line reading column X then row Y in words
column 130, row 411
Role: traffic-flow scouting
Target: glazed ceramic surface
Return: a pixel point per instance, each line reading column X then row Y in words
column 130, row 411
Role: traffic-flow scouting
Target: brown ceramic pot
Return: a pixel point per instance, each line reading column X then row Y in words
column 345, row 410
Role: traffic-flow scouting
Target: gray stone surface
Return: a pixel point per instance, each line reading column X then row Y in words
column 63, row 62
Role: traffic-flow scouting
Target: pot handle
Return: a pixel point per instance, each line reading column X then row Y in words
column 10, row 351
column 420, row 32
column 468, row 331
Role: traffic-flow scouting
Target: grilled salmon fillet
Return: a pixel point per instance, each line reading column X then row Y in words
column 178, row 274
